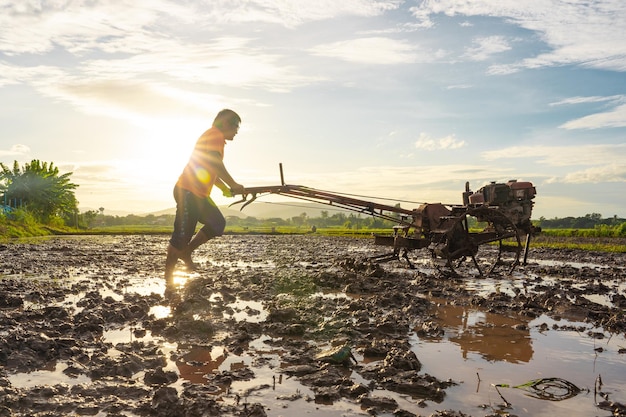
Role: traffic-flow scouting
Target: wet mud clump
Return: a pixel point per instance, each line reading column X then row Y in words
column 87, row 326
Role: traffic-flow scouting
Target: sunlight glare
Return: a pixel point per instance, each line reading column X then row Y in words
column 159, row 156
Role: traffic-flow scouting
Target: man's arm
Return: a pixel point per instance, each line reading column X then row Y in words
column 223, row 176
column 222, row 186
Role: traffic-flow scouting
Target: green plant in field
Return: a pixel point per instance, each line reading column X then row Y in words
column 319, row 320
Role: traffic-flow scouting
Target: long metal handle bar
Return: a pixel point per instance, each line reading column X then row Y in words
column 324, row 197
column 317, row 196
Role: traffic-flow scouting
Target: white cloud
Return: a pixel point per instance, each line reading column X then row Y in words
column 134, row 101
column 125, row 87
column 130, row 26
column 223, row 61
column 615, row 117
column 428, row 143
column 604, row 173
column 36, row 27
column 16, row 150
column 589, row 99
column 291, row 13
column 373, row 50
column 562, row 155
column 590, row 33
column 483, row 48
column 606, row 163
column 458, row 87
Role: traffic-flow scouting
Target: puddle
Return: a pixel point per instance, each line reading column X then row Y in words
column 249, row 311
column 572, row 264
column 481, row 349
column 237, row 264
column 333, row 295
column 50, row 375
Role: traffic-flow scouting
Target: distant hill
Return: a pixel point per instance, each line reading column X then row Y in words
column 171, row 210
column 263, row 210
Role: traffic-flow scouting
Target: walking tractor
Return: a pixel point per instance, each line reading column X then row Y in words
column 490, row 232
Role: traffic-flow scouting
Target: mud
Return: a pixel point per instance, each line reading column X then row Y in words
column 87, row 327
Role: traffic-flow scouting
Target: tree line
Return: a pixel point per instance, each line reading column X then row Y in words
column 92, row 218
column 588, row 221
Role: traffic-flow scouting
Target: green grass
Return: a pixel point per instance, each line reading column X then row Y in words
column 127, row 230
column 297, row 286
column 22, row 224
column 600, row 232
column 599, row 244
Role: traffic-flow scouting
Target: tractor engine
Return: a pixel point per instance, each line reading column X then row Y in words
column 513, row 199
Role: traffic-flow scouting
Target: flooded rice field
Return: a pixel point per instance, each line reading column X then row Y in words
column 304, row 325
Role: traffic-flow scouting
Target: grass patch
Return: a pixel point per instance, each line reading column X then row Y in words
column 21, row 224
column 127, row 230
column 599, row 244
column 296, row 286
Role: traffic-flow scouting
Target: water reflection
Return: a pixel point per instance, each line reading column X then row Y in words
column 493, row 336
column 198, row 362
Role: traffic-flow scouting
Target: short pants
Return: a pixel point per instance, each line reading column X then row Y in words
column 191, row 210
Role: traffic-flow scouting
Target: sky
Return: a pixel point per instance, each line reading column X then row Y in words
column 403, row 100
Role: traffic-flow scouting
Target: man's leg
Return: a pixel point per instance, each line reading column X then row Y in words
column 197, row 240
column 214, row 224
column 184, row 226
column 185, row 254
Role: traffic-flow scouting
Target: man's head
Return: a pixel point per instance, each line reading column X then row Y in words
column 227, row 121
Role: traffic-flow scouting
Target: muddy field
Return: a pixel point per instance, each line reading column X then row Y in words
column 87, row 327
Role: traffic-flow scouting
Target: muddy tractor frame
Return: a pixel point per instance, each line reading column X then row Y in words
column 489, row 233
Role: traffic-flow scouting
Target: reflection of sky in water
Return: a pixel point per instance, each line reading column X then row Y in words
column 248, row 311
column 511, row 287
column 578, row 265
column 236, row 264
column 50, row 375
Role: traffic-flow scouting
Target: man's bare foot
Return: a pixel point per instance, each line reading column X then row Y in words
column 185, row 256
column 173, row 255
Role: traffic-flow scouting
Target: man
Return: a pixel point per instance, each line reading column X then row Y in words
column 193, row 188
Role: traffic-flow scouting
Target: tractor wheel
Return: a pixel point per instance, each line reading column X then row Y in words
column 494, row 246
column 498, row 245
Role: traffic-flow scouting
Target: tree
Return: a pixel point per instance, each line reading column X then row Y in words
column 89, row 217
column 39, row 188
column 299, row 220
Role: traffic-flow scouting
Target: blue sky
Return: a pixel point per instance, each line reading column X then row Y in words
column 405, row 100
